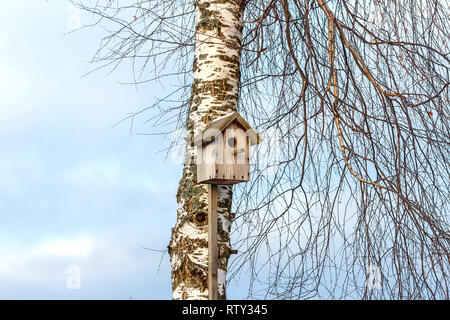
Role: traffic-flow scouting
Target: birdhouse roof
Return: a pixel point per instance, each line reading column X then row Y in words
column 218, row 125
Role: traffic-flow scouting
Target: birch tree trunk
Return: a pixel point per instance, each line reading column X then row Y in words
column 214, row 93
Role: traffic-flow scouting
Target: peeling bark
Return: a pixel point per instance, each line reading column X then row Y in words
column 214, row 94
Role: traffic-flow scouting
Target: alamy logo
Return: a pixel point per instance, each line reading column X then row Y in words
column 373, row 278
column 74, row 19
column 74, row 278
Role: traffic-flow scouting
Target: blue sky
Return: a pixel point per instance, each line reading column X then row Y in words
column 73, row 190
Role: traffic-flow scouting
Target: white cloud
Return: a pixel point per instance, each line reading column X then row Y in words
column 16, row 84
column 79, row 246
column 108, row 174
column 92, row 174
column 18, row 262
column 106, row 264
column 19, row 171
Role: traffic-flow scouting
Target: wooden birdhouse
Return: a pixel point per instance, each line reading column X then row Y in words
column 223, row 150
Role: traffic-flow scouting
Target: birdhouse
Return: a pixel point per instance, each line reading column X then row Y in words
column 223, row 150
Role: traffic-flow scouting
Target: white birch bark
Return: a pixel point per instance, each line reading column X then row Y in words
column 214, row 94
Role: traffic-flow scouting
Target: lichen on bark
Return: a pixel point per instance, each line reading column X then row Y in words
column 214, row 93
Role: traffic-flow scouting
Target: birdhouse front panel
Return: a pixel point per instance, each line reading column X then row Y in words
column 226, row 160
column 223, row 151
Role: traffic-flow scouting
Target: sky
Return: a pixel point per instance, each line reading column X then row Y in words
column 79, row 199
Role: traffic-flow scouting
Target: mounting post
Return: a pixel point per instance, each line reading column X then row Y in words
column 212, row 243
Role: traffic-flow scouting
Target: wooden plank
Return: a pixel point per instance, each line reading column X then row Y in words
column 212, row 243
column 206, row 165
